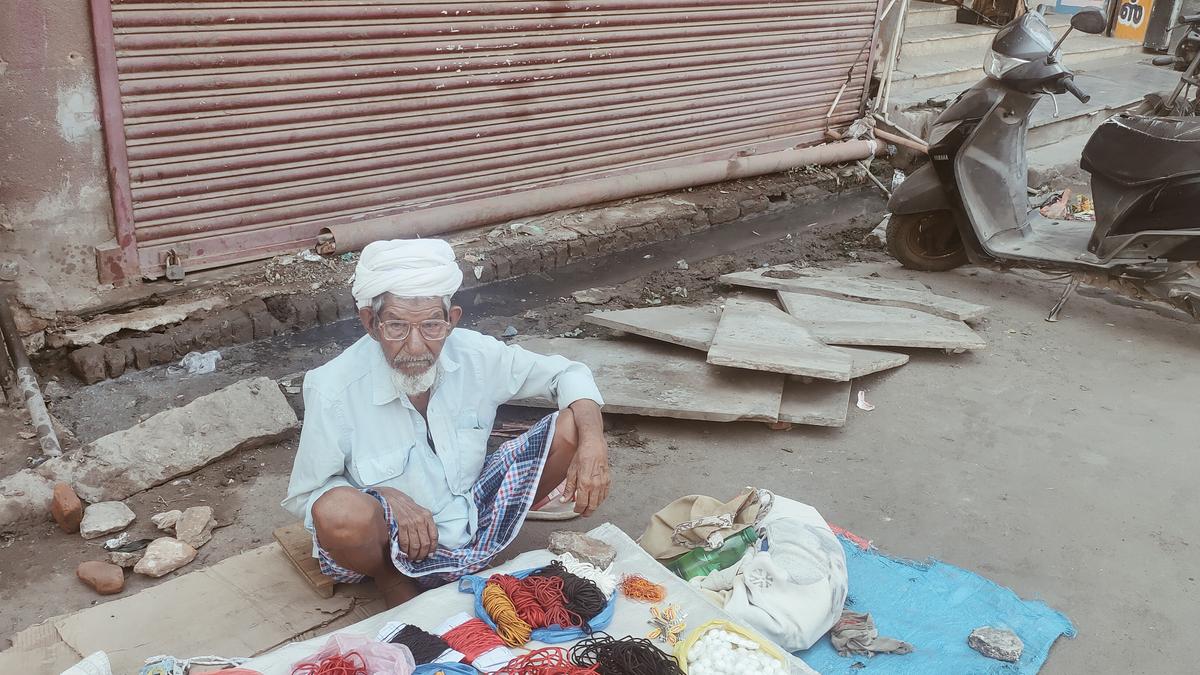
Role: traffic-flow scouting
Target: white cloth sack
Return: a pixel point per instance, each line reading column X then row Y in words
column 792, row 593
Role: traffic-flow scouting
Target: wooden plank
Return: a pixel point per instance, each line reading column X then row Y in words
column 658, row 380
column 844, row 322
column 870, row 291
column 297, row 547
column 693, row 326
column 757, row 335
column 816, row 403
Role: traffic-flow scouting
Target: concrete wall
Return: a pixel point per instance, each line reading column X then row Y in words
column 54, row 198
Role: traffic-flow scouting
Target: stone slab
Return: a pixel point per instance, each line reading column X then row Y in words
column 646, row 378
column 693, row 326
column 177, row 441
column 816, row 403
column 844, row 322
column 757, row 335
column 869, row 291
column 25, row 496
column 94, row 332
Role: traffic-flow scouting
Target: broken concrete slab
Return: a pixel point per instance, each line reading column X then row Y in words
column 94, row 332
column 865, row 290
column 844, row 322
column 693, row 326
column 646, row 378
column 757, row 335
column 816, row 403
column 243, row 415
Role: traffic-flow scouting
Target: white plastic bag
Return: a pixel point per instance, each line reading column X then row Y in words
column 793, row 592
column 197, row 363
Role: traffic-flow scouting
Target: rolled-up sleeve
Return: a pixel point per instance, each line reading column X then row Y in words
column 320, row 462
column 529, row 375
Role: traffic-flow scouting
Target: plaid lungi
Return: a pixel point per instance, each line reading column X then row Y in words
column 503, row 494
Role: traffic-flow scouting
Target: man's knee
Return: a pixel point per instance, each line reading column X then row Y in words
column 345, row 515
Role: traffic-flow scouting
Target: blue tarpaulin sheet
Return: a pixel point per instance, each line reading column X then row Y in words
column 934, row 607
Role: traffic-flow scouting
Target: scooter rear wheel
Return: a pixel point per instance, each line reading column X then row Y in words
column 928, row 242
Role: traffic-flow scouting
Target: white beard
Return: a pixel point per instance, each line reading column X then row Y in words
column 413, row 385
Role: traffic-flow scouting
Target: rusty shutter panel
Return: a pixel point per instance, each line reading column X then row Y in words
column 249, row 126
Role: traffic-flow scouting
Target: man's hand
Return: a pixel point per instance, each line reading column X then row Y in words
column 416, row 532
column 588, row 479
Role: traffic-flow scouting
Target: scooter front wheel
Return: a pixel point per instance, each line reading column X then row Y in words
column 928, row 242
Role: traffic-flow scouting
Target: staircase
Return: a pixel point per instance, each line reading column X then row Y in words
column 940, row 58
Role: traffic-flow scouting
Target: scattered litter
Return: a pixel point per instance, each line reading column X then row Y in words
column 572, row 333
column 315, row 285
column 349, row 257
column 755, row 233
column 863, row 404
column 510, row 332
column 116, row 542
column 898, row 178
column 679, row 291
column 681, row 264
column 878, row 236
column 96, row 664
column 526, row 228
column 855, row 633
column 647, row 257
column 308, row 255
column 196, row 363
column 530, row 314
column 478, row 271
column 285, row 260
column 1056, row 206
column 132, row 547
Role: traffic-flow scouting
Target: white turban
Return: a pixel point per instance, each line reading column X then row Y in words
column 407, row 268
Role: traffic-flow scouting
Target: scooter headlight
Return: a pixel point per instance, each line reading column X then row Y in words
column 996, row 65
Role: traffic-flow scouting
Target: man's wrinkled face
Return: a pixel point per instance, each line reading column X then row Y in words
column 413, row 355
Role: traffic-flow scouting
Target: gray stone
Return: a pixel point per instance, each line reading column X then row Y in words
column 816, row 403
column 693, row 326
column 166, row 520
column 25, row 496
column 757, row 335
column 641, row 378
column 595, row 296
column 195, row 526
column 995, row 643
column 105, row 518
column 126, row 560
column 584, row 548
column 53, row 389
column 163, row 556
column 842, row 322
column 177, row 441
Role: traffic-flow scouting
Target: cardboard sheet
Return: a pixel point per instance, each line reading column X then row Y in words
column 431, row 608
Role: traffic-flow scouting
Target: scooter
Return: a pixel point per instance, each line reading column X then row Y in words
column 971, row 201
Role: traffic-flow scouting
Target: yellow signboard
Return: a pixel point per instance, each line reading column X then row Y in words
column 1133, row 17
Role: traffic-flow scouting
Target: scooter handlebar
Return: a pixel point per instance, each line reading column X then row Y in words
column 1069, row 85
column 1190, row 18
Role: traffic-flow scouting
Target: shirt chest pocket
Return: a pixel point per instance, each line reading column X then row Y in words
column 472, row 446
column 380, row 467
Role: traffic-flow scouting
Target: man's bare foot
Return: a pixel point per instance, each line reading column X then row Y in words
column 397, row 592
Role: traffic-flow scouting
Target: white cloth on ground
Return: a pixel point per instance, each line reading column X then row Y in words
column 793, row 592
column 408, row 268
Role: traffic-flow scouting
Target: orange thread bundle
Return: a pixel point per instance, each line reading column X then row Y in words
column 638, row 587
column 509, row 625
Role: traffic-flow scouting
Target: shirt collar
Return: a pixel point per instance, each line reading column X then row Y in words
column 383, row 390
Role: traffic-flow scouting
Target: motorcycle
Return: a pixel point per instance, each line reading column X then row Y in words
column 970, row 202
column 1186, row 59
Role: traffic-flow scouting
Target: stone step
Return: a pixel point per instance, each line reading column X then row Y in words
column 921, row 73
column 924, row 40
column 930, row 14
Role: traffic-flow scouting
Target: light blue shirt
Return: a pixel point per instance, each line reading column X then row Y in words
column 361, row 432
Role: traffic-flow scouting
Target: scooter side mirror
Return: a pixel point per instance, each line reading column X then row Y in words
column 1090, row 20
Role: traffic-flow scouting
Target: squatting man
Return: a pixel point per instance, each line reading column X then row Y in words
column 392, row 476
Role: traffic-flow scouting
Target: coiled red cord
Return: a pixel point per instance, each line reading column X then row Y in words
column 472, row 638
column 545, row 661
column 350, row 663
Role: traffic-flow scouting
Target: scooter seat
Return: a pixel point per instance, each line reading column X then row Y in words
column 1136, row 150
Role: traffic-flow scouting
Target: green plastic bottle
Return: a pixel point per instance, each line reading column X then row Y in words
column 700, row 563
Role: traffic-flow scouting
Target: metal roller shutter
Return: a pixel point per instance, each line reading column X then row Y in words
column 250, row 125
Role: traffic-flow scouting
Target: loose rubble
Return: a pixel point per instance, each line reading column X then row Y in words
column 104, row 578
column 994, row 643
column 163, row 556
column 126, row 560
column 66, row 508
column 166, row 520
column 195, row 526
column 105, row 518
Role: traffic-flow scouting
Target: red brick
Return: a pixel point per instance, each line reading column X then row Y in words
column 66, row 508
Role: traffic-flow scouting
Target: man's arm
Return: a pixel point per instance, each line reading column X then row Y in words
column 588, row 478
column 320, row 463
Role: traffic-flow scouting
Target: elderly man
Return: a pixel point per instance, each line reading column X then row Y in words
column 392, row 476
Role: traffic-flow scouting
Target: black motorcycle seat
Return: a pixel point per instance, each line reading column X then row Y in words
column 1137, row 150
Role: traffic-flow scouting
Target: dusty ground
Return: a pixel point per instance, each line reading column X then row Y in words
column 1059, row 462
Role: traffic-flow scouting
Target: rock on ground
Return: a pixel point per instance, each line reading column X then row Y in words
column 104, row 578
column 166, row 520
column 583, row 547
column 126, row 560
column 104, row 518
column 163, row 556
column 24, row 496
column 995, row 643
column 174, row 442
column 195, row 526
column 66, row 508
column 595, row 296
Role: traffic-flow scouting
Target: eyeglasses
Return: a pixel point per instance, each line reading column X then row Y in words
column 430, row 329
